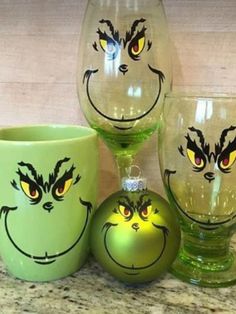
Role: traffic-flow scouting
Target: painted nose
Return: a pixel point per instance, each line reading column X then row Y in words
column 210, row 176
column 135, row 226
column 123, row 68
column 48, row 206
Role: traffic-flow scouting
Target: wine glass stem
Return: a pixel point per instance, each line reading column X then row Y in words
column 124, row 161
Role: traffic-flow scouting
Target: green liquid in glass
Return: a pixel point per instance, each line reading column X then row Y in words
column 124, row 144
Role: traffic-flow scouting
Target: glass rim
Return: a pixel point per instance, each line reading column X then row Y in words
column 200, row 95
column 90, row 133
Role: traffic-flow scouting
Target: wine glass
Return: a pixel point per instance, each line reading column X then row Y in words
column 197, row 153
column 123, row 72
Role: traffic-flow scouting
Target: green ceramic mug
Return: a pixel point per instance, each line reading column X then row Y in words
column 48, row 190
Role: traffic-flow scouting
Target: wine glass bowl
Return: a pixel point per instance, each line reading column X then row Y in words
column 123, row 70
column 197, row 153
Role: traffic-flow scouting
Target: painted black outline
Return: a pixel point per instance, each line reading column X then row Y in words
column 43, row 186
column 165, row 233
column 46, row 186
column 32, row 186
column 114, row 33
column 135, row 40
column 130, row 34
column 140, row 205
column 68, row 175
column 192, row 145
column 89, row 73
column 203, row 225
column 110, row 41
column 219, row 147
column 43, row 260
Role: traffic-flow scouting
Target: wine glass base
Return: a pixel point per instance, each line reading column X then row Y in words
column 213, row 274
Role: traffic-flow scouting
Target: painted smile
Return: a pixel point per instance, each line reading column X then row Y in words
column 122, row 128
column 132, row 270
column 45, row 259
column 87, row 77
column 208, row 225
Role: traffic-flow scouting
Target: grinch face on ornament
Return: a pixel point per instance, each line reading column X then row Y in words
column 122, row 84
column 135, row 236
column 137, row 220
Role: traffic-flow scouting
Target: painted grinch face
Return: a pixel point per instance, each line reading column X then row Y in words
column 134, row 236
column 122, row 85
column 50, row 201
column 138, row 221
column 210, row 166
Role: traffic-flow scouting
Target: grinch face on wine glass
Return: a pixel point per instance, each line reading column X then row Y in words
column 209, row 164
column 122, row 83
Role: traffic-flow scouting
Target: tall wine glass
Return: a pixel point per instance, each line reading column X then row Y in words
column 197, row 152
column 123, row 71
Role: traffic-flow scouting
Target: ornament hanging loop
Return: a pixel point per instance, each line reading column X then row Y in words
column 132, row 169
column 132, row 183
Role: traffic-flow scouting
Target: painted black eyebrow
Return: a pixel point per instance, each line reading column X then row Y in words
column 114, row 33
column 205, row 147
column 134, row 40
column 39, row 178
column 103, row 35
column 229, row 149
column 218, row 147
column 27, row 179
column 224, row 134
column 145, row 204
column 141, row 202
column 68, row 174
column 30, row 168
column 139, row 34
column 194, row 147
column 131, row 33
column 126, row 202
column 199, row 134
column 192, row 144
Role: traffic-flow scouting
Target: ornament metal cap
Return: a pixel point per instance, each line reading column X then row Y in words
column 133, row 183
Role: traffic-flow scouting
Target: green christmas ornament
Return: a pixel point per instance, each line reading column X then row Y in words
column 135, row 235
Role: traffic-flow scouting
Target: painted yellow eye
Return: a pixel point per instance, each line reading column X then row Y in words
column 138, row 46
column 103, row 44
column 146, row 211
column 126, row 212
column 228, row 161
column 30, row 190
column 196, row 160
column 108, row 46
column 63, row 187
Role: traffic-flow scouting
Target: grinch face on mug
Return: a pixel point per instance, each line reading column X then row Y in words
column 122, row 83
column 43, row 224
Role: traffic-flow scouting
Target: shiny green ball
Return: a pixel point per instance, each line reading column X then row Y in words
column 135, row 236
